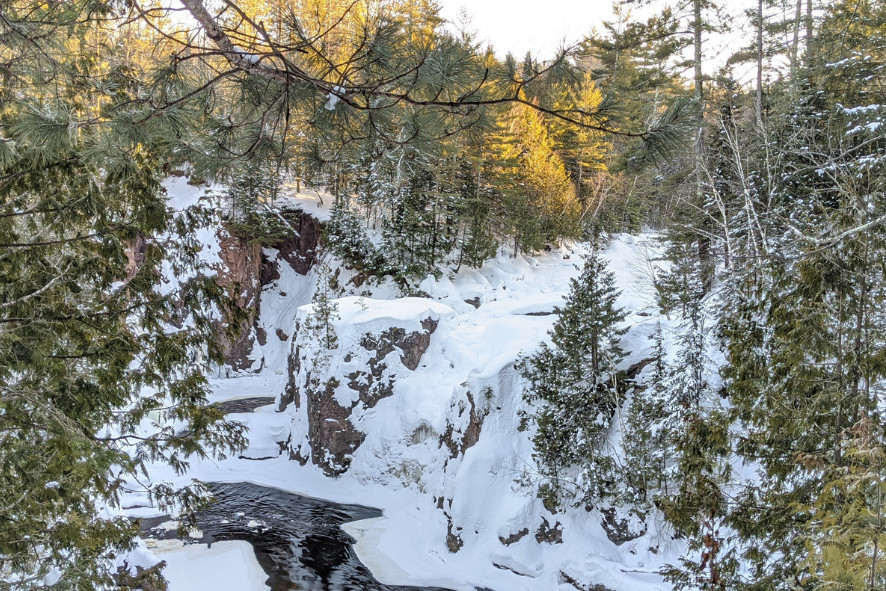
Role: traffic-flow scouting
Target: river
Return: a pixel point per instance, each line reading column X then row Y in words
column 298, row 540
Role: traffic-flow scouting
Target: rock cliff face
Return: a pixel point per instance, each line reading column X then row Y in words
column 339, row 386
column 417, row 406
column 301, row 247
column 246, row 268
column 238, row 273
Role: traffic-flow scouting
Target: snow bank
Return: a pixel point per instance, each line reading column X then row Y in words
column 221, row 566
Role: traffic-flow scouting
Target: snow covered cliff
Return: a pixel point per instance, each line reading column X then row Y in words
column 416, row 411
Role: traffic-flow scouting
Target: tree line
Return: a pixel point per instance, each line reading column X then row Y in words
column 758, row 431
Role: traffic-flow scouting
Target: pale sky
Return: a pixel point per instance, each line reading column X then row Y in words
column 542, row 26
column 539, row 25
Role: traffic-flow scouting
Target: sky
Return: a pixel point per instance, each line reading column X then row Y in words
column 543, row 26
column 520, row 25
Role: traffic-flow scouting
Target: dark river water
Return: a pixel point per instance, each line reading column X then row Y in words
column 298, row 540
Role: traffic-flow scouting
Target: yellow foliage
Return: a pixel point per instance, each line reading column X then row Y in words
column 545, row 195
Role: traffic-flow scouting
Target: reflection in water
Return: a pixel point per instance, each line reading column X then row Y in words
column 297, row 540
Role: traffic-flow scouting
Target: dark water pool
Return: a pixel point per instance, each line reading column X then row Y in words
column 298, row 541
column 244, row 404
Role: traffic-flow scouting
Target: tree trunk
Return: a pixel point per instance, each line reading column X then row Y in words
column 699, row 90
column 795, row 45
column 808, row 30
column 697, row 24
column 760, row 63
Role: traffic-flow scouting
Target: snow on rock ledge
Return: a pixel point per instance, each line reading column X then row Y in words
column 379, row 342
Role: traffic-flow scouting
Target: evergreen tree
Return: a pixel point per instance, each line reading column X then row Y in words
column 320, row 322
column 346, row 238
column 251, row 194
column 647, row 434
column 582, row 151
column 573, row 384
column 801, row 370
column 541, row 205
column 475, row 206
column 97, row 380
column 697, row 504
column 631, row 61
column 846, row 533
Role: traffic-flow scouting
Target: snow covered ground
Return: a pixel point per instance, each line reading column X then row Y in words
column 473, row 349
column 224, row 566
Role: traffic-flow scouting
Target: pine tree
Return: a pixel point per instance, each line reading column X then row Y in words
column 801, row 370
column 347, row 239
column 97, row 381
column 251, row 194
column 541, row 206
column 632, row 62
column 582, row 151
column 847, row 529
column 574, row 389
column 475, row 207
column 647, row 434
column 696, row 504
column 320, row 322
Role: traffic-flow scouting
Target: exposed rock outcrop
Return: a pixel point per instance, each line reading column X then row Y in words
column 239, row 273
column 245, row 269
column 366, row 369
column 453, row 539
column 300, row 248
column 622, row 529
column 290, row 393
column 514, row 538
column 458, row 439
column 548, row 533
column 567, row 578
column 332, row 435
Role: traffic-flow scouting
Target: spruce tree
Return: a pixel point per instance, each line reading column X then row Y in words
column 320, row 322
column 647, row 434
column 574, row 391
column 251, row 194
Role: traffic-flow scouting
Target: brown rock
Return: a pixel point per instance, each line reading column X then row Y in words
column 239, row 274
column 471, row 434
column 548, row 534
column 619, row 530
column 290, row 393
column 301, row 248
column 453, row 540
column 331, row 435
column 269, row 270
column 514, row 538
column 565, row 578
